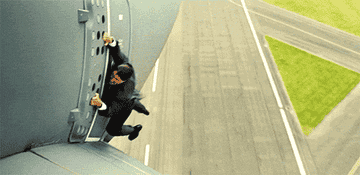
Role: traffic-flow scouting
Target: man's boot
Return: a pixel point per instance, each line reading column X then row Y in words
column 135, row 133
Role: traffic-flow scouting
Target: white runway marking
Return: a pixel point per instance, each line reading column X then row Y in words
column 355, row 167
column 147, row 149
column 286, row 123
column 262, row 55
column 155, row 75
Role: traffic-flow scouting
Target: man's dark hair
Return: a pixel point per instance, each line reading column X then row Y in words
column 125, row 71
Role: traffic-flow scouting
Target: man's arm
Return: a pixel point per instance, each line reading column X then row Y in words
column 96, row 101
column 103, row 107
column 116, row 54
column 113, row 108
column 104, row 110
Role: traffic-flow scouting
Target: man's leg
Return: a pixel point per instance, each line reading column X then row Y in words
column 115, row 127
column 108, row 137
column 126, row 130
column 140, row 108
column 133, row 132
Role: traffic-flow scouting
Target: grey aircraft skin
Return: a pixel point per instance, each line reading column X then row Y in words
column 53, row 60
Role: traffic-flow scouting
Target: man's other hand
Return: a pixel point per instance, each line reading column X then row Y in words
column 96, row 101
column 108, row 39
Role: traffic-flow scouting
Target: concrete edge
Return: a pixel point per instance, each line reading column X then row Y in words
column 299, row 136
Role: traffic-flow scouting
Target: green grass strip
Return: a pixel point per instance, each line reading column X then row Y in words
column 341, row 14
column 315, row 86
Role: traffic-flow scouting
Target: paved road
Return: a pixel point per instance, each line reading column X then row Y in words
column 335, row 142
column 213, row 110
column 312, row 36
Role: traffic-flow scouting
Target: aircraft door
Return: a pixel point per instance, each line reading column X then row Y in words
column 95, row 18
column 88, row 126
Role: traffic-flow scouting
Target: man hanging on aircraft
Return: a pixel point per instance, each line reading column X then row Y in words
column 119, row 95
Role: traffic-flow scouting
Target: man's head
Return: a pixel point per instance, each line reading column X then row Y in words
column 123, row 73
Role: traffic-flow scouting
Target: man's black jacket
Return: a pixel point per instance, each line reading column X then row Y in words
column 117, row 97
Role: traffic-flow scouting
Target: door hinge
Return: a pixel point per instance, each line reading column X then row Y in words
column 74, row 115
column 83, row 15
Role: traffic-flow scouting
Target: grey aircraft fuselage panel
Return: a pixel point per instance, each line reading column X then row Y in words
column 81, row 158
column 52, row 59
column 41, row 71
column 151, row 24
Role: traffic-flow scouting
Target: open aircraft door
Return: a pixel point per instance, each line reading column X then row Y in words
column 86, row 124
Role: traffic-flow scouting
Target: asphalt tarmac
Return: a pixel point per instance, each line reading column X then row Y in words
column 307, row 34
column 213, row 109
column 335, row 142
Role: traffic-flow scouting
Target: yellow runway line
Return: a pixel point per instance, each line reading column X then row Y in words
column 355, row 167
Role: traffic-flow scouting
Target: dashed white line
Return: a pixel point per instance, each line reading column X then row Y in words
column 155, row 75
column 147, row 149
column 286, row 123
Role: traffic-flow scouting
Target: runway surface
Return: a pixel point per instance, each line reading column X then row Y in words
column 335, row 142
column 307, row 34
column 213, row 110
